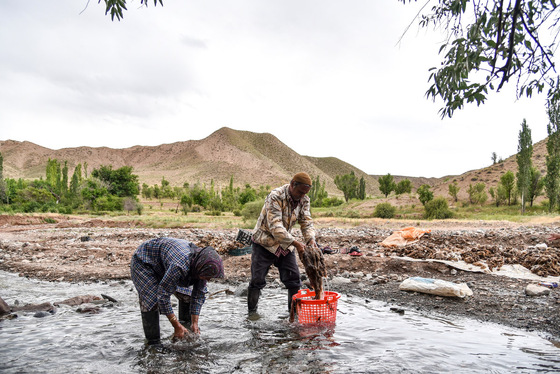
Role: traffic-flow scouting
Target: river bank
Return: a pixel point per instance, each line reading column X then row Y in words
column 91, row 250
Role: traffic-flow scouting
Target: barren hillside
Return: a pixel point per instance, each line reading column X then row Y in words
column 254, row 158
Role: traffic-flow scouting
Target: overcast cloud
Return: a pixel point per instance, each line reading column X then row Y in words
column 325, row 77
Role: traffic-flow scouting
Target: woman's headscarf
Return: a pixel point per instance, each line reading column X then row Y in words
column 207, row 263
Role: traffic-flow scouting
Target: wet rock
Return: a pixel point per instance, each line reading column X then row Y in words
column 77, row 300
column 89, row 308
column 4, row 307
column 41, row 314
column 536, row 290
column 48, row 307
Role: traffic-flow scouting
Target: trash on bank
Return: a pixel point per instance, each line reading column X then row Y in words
column 549, row 284
column 435, row 287
column 404, row 237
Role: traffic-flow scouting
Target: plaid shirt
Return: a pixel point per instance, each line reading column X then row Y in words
column 278, row 216
column 159, row 268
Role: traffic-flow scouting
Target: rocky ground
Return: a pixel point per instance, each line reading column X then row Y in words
column 79, row 249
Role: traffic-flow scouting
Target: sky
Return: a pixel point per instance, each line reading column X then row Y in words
column 328, row 78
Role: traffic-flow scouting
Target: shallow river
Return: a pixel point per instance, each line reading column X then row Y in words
column 368, row 338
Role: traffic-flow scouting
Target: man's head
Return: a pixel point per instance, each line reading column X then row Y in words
column 300, row 185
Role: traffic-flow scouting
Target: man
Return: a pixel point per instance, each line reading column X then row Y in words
column 165, row 266
column 273, row 243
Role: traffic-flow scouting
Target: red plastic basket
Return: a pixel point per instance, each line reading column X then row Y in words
column 309, row 310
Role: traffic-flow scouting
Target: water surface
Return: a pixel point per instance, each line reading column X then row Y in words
column 367, row 338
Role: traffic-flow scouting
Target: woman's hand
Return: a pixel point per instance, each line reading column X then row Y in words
column 181, row 332
column 194, row 324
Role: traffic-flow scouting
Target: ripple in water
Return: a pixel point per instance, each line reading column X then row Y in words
column 368, row 338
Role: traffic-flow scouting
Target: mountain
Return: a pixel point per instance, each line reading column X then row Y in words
column 254, row 158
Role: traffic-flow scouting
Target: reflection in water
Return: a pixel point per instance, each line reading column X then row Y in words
column 368, row 338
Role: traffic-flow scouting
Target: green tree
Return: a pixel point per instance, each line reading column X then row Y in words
column 536, row 185
column 362, row 189
column 318, row 193
column 552, row 178
column 386, row 184
column 348, row 184
column 3, row 186
column 454, row 191
column 425, row 194
column 498, row 194
column 508, row 182
column 404, row 186
column 489, row 44
column 524, row 163
column 477, row 193
column 437, row 209
column 121, row 182
column 494, row 158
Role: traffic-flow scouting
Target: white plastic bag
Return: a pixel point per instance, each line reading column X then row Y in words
column 435, row 287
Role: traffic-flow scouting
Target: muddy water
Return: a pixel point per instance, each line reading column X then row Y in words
column 368, row 338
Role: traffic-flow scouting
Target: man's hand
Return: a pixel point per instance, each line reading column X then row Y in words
column 299, row 246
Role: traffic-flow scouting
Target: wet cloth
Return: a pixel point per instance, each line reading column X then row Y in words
column 403, row 237
column 278, row 216
column 163, row 266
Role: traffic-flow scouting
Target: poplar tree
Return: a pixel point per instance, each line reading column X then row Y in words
column 552, row 179
column 524, row 163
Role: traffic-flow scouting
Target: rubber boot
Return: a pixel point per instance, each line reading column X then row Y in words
column 184, row 313
column 291, row 293
column 150, row 322
column 253, row 295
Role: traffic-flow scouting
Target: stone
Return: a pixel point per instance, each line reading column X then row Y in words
column 4, row 307
column 541, row 246
column 536, row 290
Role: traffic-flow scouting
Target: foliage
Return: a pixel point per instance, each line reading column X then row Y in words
column 252, row 210
column 524, row 163
column 348, row 184
column 437, row 209
column 489, row 44
column 494, row 158
column 362, row 189
column 404, row 186
column 552, row 178
column 507, row 180
column 454, row 191
column 477, row 193
column 386, row 184
column 120, row 182
column 498, row 194
column 384, row 210
column 425, row 194
column 317, row 194
column 536, row 185
column 116, row 7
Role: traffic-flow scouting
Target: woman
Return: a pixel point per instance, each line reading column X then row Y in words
column 165, row 266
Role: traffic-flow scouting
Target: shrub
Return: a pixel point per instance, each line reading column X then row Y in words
column 437, row 209
column 384, row 210
column 352, row 214
column 252, row 210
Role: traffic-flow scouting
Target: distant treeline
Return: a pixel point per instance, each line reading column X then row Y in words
column 108, row 189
